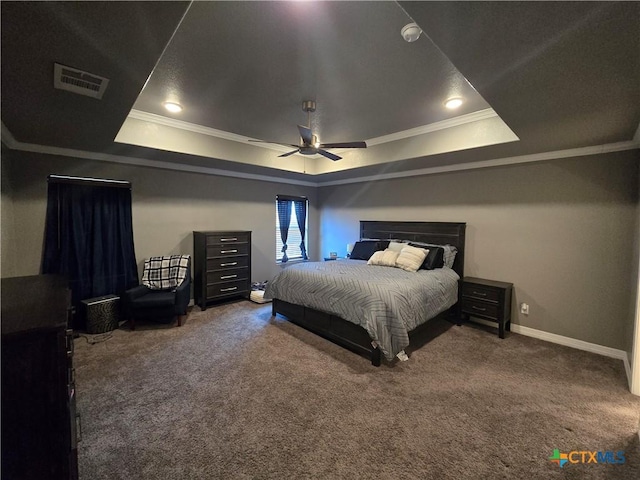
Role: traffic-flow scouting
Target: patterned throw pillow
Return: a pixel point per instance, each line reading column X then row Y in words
column 411, row 258
column 165, row 273
column 384, row 258
column 396, row 246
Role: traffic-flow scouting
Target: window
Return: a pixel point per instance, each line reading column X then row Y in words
column 291, row 228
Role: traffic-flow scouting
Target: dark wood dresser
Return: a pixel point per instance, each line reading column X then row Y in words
column 489, row 300
column 222, row 265
column 38, row 386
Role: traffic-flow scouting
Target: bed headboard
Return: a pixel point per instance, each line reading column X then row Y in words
column 438, row 233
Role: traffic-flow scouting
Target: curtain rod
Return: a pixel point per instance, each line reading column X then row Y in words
column 88, row 181
column 290, row 197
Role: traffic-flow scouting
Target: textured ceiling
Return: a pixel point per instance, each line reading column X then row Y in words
column 251, row 64
column 561, row 75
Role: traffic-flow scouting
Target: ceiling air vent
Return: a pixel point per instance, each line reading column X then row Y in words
column 78, row 81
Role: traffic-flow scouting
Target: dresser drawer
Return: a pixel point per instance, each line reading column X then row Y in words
column 480, row 308
column 479, row 291
column 237, row 237
column 227, row 288
column 227, row 263
column 227, row 250
column 229, row 275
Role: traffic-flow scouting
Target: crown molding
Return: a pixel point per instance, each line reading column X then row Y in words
column 535, row 157
column 434, row 127
column 412, row 132
column 7, row 137
column 9, row 140
column 144, row 162
column 195, row 128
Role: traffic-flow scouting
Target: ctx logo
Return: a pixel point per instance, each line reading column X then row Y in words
column 579, row 456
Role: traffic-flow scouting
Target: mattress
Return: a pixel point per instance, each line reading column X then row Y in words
column 387, row 302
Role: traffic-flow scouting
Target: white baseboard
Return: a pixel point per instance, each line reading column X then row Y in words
column 569, row 342
column 627, row 368
column 566, row 341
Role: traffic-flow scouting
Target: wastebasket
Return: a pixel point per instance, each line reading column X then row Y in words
column 102, row 313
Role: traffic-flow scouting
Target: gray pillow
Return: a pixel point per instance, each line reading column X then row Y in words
column 435, row 258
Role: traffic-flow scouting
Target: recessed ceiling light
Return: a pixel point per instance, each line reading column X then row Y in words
column 173, row 107
column 453, row 103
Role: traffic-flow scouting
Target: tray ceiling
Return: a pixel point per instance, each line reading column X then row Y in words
column 535, row 77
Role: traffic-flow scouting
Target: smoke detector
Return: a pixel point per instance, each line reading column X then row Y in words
column 410, row 32
column 78, row 81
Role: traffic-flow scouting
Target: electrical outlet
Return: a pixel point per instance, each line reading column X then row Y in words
column 524, row 308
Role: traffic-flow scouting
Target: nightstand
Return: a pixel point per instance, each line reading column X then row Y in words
column 487, row 299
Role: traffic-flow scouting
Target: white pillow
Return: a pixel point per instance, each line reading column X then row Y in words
column 411, row 258
column 396, row 246
column 384, row 258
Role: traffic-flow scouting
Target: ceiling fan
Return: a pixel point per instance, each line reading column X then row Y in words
column 309, row 144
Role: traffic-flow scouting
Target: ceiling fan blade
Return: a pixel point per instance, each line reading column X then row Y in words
column 289, row 153
column 305, row 134
column 329, row 155
column 344, row 145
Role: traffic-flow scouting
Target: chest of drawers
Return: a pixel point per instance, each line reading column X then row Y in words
column 39, row 417
column 222, row 265
column 487, row 299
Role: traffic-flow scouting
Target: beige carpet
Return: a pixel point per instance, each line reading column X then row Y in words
column 235, row 393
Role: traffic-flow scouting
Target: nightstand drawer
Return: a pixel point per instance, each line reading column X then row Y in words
column 481, row 292
column 480, row 308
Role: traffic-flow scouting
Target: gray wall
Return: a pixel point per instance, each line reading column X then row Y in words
column 635, row 281
column 167, row 207
column 563, row 231
column 7, row 234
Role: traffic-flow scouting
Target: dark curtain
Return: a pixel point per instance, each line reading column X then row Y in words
column 301, row 215
column 89, row 238
column 284, row 218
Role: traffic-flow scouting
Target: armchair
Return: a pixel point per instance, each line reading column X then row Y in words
column 160, row 304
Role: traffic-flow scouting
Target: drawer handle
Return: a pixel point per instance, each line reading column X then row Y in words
column 228, row 289
column 228, row 239
column 478, row 308
column 229, row 251
column 225, row 277
column 228, row 264
column 480, row 294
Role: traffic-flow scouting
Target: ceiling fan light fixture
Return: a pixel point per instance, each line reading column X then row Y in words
column 309, row 143
column 410, row 32
column 453, row 103
column 173, row 107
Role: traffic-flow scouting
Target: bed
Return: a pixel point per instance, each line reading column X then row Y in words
column 343, row 300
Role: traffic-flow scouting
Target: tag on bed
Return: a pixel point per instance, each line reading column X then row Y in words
column 403, row 357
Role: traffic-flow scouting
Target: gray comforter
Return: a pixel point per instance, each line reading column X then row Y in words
column 387, row 302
